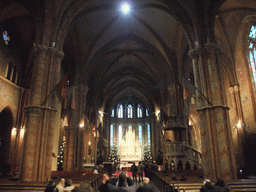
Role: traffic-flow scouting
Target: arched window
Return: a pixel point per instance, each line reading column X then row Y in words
column 120, row 112
column 111, row 135
column 120, row 134
column 147, row 112
column 129, row 111
column 139, row 112
column 148, row 130
column 113, row 113
column 140, row 134
column 252, row 51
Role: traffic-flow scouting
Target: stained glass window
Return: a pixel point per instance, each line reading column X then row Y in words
column 140, row 134
column 139, row 111
column 6, row 37
column 113, row 113
column 129, row 111
column 148, row 129
column 120, row 111
column 120, row 134
column 252, row 51
column 147, row 112
column 111, row 135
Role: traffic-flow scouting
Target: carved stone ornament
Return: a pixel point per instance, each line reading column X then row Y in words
column 40, row 49
column 56, row 53
column 32, row 111
column 36, row 111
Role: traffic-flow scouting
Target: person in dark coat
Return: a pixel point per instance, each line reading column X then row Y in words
column 208, row 187
column 140, row 171
column 147, row 188
column 106, row 182
column 134, row 172
column 154, row 166
column 220, row 183
column 51, row 187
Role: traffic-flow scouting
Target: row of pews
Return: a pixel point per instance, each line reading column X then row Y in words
column 78, row 177
column 194, row 181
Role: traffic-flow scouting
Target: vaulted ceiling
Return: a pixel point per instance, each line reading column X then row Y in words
column 141, row 52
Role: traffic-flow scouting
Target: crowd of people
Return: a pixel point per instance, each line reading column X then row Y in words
column 124, row 183
column 66, row 185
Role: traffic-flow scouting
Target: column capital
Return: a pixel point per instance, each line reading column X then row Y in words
column 56, row 52
column 194, row 52
column 35, row 110
column 38, row 49
column 206, row 48
column 212, row 47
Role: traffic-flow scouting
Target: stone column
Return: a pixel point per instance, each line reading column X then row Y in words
column 53, row 118
column 36, row 165
column 71, row 133
column 217, row 148
column 34, row 118
column 75, row 148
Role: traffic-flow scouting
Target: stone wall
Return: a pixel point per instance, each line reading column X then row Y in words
column 9, row 96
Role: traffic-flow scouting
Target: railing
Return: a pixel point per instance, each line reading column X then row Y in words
column 182, row 150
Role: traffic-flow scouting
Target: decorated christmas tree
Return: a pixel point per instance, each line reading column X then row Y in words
column 147, row 153
column 114, row 152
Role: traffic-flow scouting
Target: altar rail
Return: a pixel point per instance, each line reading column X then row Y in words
column 181, row 151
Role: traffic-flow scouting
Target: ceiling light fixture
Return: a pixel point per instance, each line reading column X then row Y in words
column 126, row 8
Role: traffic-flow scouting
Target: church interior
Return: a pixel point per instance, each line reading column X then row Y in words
column 83, row 83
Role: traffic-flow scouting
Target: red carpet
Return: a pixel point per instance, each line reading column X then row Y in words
column 129, row 173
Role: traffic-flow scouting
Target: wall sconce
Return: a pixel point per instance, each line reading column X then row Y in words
column 239, row 125
column 14, row 131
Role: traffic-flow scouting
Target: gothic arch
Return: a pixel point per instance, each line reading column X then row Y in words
column 6, row 125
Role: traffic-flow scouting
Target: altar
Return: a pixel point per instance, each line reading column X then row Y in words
column 128, row 163
column 130, row 148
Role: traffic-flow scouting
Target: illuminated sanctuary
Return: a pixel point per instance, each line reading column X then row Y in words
column 93, row 83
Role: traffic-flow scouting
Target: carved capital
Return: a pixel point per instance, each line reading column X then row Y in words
column 32, row 111
column 40, row 49
column 211, row 47
column 56, row 53
column 195, row 52
column 35, row 111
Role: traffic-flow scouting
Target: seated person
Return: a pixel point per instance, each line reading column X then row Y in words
column 83, row 187
column 68, row 186
column 122, row 184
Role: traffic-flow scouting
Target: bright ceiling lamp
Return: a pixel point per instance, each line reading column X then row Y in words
column 126, row 8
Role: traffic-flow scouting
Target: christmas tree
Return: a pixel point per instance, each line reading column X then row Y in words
column 61, row 154
column 114, row 152
column 147, row 153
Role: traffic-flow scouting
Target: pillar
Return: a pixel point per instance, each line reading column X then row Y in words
column 52, row 117
column 40, row 112
column 75, row 131
column 33, row 114
column 217, row 147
